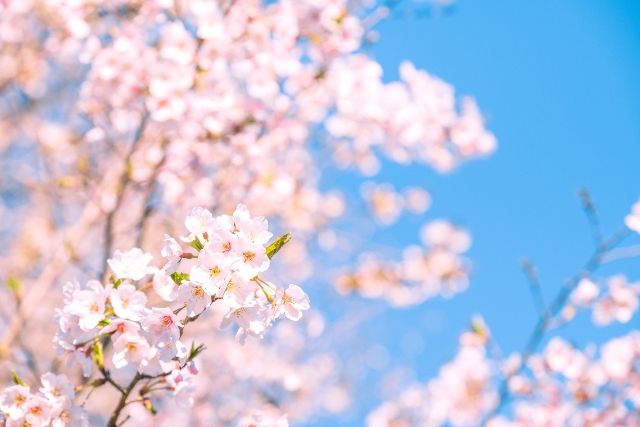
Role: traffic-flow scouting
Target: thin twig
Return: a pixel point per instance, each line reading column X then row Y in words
column 534, row 286
column 554, row 308
column 592, row 217
column 125, row 180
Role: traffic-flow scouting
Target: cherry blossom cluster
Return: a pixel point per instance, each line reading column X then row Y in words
column 461, row 393
column 230, row 255
column 437, row 268
column 415, row 119
column 259, row 76
column 53, row 404
column 283, row 380
column 226, row 256
column 386, row 204
column 615, row 302
column 234, row 89
column 163, row 105
column 570, row 387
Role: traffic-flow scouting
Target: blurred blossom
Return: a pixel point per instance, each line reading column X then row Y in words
column 633, row 219
column 422, row 273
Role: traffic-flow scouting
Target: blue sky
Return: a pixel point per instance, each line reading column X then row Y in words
column 559, row 82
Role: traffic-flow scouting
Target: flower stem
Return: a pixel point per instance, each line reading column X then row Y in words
column 113, row 421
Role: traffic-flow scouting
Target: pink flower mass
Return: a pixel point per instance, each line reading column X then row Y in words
column 175, row 251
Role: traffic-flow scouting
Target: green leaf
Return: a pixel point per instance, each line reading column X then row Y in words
column 13, row 284
column 179, row 277
column 97, row 354
column 115, row 282
column 149, row 406
column 195, row 351
column 196, row 244
column 98, row 382
column 104, row 322
column 16, row 379
column 277, row 244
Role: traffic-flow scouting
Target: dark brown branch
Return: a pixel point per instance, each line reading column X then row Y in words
column 113, row 421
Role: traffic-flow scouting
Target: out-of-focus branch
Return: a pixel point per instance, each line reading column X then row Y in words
column 551, row 311
column 66, row 242
column 621, row 253
column 592, row 217
column 534, row 286
column 125, row 180
column 113, row 421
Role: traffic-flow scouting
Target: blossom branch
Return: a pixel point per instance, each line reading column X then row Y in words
column 551, row 311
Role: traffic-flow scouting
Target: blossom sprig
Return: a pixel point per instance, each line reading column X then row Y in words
column 615, row 302
column 438, row 267
column 221, row 263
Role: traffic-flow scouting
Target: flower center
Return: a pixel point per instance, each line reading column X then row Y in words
column 231, row 286
column 65, row 416
column 19, row 399
column 166, row 320
column 213, row 272
column 248, row 256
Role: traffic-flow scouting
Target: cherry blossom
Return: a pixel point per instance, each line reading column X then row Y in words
column 585, row 293
column 88, row 305
column 130, row 348
column 619, row 304
column 127, row 302
column 424, row 272
column 633, row 219
column 292, row 301
column 194, row 297
column 131, row 264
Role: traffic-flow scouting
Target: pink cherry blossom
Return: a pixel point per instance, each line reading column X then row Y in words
column 632, row 221
column 130, row 348
column 132, row 264
column 162, row 323
column 619, row 304
column 127, row 302
column 88, row 304
column 293, row 301
column 585, row 292
column 194, row 297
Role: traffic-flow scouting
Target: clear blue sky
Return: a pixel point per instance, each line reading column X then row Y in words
column 560, row 84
